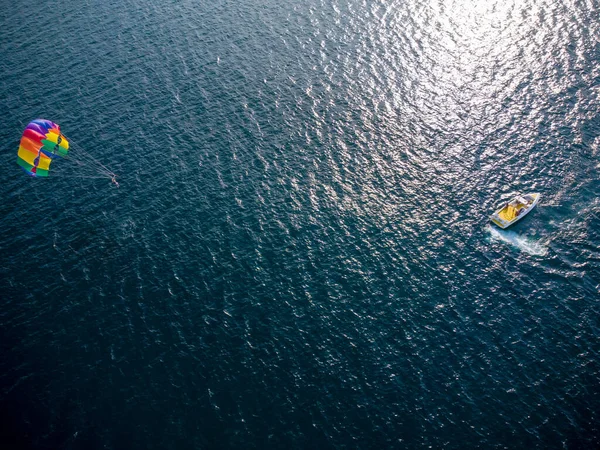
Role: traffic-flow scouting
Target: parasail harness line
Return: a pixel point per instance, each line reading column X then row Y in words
column 86, row 157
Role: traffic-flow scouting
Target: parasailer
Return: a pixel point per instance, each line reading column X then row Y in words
column 42, row 142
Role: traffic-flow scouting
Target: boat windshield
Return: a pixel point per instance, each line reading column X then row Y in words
column 521, row 200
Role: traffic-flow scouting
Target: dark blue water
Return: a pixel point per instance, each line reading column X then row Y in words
column 298, row 255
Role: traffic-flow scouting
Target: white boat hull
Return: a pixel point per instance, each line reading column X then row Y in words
column 510, row 214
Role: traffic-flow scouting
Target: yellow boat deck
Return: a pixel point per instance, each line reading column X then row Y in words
column 509, row 212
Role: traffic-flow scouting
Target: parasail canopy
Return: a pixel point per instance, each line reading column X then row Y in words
column 41, row 142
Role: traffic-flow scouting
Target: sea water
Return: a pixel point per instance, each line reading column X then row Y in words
column 299, row 254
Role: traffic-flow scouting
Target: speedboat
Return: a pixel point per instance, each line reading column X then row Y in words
column 515, row 210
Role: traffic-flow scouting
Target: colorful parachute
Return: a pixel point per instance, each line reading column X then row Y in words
column 40, row 144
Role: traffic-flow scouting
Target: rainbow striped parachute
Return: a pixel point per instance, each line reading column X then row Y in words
column 40, row 144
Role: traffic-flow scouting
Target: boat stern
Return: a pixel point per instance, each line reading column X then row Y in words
column 498, row 221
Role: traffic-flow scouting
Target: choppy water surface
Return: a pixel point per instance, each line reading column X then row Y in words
column 299, row 255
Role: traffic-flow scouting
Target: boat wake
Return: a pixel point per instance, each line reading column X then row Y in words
column 521, row 242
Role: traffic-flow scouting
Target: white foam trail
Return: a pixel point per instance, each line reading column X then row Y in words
column 523, row 243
